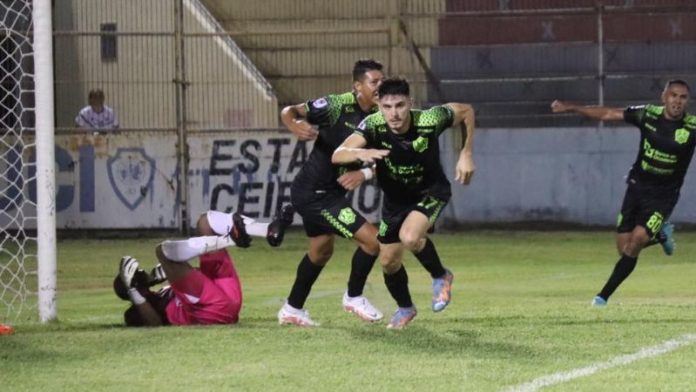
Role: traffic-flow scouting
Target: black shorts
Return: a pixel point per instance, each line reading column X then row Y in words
column 329, row 213
column 646, row 206
column 394, row 215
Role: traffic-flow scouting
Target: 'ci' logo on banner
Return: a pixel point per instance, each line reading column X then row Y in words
column 131, row 173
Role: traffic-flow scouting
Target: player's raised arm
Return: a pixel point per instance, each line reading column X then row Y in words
column 351, row 150
column 600, row 113
column 465, row 118
column 295, row 119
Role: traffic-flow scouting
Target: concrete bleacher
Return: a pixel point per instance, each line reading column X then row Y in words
column 509, row 62
column 510, row 58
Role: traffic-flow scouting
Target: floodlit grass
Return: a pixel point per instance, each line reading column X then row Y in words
column 520, row 311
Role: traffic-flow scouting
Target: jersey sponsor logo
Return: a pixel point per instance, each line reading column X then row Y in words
column 655, row 170
column 349, row 125
column 347, row 216
column 658, row 155
column 681, row 135
column 320, row 103
column 420, row 144
column 650, row 127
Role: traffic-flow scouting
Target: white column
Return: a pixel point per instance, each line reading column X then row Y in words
column 45, row 167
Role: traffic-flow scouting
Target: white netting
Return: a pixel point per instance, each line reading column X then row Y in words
column 17, row 170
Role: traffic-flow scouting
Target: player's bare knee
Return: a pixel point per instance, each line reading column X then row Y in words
column 320, row 256
column 390, row 265
column 635, row 245
column 411, row 240
column 370, row 247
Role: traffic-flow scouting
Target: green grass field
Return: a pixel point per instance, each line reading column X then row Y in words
column 520, row 311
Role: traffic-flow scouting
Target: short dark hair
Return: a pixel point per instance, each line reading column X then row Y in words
column 677, row 81
column 95, row 94
column 361, row 67
column 394, row 86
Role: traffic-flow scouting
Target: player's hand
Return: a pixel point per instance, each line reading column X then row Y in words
column 303, row 130
column 351, row 180
column 371, row 155
column 465, row 169
column 559, row 106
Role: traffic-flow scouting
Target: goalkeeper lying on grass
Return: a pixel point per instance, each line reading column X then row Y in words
column 210, row 294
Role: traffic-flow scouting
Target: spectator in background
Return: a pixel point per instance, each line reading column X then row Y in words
column 96, row 116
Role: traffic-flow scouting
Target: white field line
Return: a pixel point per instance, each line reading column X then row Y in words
column 647, row 352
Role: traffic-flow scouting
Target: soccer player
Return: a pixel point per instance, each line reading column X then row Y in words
column 318, row 193
column 404, row 144
column 667, row 140
column 211, row 294
column 96, row 115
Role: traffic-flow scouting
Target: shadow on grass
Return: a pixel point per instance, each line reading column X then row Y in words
column 453, row 340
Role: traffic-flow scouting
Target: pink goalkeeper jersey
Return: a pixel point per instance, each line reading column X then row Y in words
column 211, row 295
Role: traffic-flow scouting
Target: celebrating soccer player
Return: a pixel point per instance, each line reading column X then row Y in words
column 319, row 193
column 667, row 140
column 403, row 143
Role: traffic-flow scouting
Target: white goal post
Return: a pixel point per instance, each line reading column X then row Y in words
column 45, row 166
column 27, row 174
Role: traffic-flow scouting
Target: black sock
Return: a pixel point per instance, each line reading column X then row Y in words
column 397, row 283
column 623, row 268
column 307, row 274
column 658, row 239
column 360, row 267
column 430, row 260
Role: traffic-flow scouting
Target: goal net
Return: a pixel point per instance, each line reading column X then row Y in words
column 18, row 153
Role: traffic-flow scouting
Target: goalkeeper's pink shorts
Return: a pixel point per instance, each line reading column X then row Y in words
column 209, row 295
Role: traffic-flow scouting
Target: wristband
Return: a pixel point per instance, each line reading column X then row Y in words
column 367, row 172
column 136, row 297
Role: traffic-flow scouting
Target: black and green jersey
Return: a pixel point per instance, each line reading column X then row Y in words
column 336, row 116
column 412, row 169
column 666, row 146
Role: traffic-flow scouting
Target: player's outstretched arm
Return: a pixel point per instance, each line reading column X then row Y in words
column 295, row 119
column 464, row 117
column 599, row 113
column 351, row 150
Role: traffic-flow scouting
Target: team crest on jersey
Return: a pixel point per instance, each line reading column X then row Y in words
column 420, row 144
column 320, row 103
column 383, row 228
column 681, row 136
column 347, row 216
column 131, row 173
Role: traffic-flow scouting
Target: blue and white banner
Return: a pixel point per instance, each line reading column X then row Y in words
column 130, row 179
